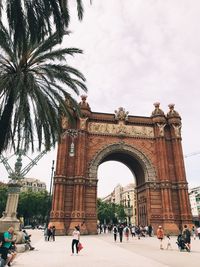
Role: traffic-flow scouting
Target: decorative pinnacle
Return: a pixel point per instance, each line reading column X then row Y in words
column 156, row 104
column 83, row 98
column 171, row 106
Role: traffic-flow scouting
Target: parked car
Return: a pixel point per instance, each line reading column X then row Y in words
column 41, row 227
column 28, row 227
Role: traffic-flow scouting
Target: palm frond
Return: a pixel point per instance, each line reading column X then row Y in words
column 80, row 9
column 38, row 88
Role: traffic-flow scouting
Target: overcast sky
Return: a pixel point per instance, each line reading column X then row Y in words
column 137, row 52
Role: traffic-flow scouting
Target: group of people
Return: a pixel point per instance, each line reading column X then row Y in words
column 134, row 230
column 49, row 233
column 8, row 245
column 126, row 230
column 183, row 240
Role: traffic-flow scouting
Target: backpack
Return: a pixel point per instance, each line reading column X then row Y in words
column 187, row 233
column 115, row 230
column 127, row 230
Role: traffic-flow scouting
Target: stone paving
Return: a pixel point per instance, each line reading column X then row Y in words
column 102, row 251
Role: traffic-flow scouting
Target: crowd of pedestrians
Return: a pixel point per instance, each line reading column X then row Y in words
column 120, row 232
column 124, row 230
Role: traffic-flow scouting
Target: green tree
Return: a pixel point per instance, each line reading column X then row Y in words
column 34, row 85
column 3, row 197
column 110, row 212
column 121, row 215
column 34, row 206
column 37, row 17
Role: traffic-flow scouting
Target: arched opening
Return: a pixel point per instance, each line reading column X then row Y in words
column 117, row 189
column 110, row 174
column 140, row 167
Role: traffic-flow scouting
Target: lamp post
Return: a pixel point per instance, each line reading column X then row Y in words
column 52, row 172
column 15, row 176
column 10, row 213
column 73, row 133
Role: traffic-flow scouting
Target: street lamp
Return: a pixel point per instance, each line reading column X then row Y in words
column 52, row 172
column 14, row 184
column 73, row 133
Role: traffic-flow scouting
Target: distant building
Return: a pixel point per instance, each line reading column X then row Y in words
column 32, row 184
column 194, row 196
column 126, row 196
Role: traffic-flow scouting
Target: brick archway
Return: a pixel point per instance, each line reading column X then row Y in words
column 149, row 146
column 122, row 148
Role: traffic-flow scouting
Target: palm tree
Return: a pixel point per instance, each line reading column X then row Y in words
column 37, row 16
column 34, row 85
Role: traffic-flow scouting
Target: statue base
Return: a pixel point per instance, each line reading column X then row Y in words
column 6, row 223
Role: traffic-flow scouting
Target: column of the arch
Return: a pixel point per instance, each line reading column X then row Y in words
column 78, row 210
column 184, row 204
column 58, row 200
column 162, row 160
column 159, row 119
column 174, row 121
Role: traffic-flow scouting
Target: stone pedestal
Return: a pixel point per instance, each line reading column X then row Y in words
column 9, row 215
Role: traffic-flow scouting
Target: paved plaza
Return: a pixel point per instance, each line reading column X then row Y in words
column 102, row 251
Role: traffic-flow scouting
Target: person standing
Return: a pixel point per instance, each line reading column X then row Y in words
column 75, row 239
column 198, row 232
column 187, row 236
column 150, row 230
column 160, row 235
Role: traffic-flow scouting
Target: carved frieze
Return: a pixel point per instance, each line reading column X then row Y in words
column 121, row 129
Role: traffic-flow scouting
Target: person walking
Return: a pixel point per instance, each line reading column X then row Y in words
column 160, row 235
column 115, row 232
column 133, row 230
column 75, row 240
column 53, row 232
column 194, row 232
column 49, row 233
column 120, row 231
column 126, row 232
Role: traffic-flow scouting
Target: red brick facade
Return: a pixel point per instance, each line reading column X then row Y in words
column 149, row 146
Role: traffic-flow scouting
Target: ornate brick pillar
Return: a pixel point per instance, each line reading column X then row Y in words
column 57, row 216
column 80, row 175
column 174, row 121
column 78, row 207
column 165, row 185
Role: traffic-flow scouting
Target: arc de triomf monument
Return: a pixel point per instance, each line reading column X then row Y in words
column 149, row 146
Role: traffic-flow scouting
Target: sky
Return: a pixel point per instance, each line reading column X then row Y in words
column 136, row 53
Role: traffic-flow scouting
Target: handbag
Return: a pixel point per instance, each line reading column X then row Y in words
column 80, row 246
